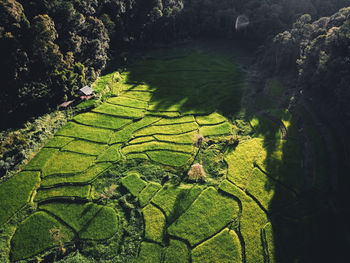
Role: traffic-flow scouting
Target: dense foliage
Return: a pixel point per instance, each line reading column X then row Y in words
column 318, row 55
column 50, row 49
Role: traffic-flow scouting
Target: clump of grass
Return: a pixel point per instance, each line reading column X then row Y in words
column 196, row 172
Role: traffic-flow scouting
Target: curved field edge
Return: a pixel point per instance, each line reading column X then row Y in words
column 167, row 116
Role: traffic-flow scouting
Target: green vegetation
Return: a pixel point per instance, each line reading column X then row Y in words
column 124, row 101
column 184, row 119
column 40, row 159
column 153, row 146
column 169, row 158
column 223, row 247
column 148, row 192
column 206, row 216
column 241, row 161
column 149, row 253
column 214, row 118
column 174, row 200
column 112, row 154
column 263, row 102
column 126, row 133
column 263, row 189
column 276, row 88
column 185, row 138
column 266, row 128
column 282, row 162
column 101, row 120
column 154, row 223
column 177, row 251
column 119, row 111
column 68, row 191
column 138, row 95
column 143, row 156
column 84, row 147
column 36, row 234
column 133, row 183
column 165, row 114
column 142, row 139
column 252, row 220
column 58, row 142
column 267, row 236
column 67, row 163
column 119, row 176
column 102, row 226
column 85, row 177
column 168, row 129
column 89, row 220
column 16, row 192
column 72, row 129
column 320, row 179
column 216, row 130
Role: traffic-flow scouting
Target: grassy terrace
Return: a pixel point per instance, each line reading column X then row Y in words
column 121, row 167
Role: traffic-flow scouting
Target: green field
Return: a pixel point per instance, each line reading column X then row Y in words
column 113, row 182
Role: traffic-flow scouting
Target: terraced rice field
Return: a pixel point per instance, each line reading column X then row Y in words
column 158, row 109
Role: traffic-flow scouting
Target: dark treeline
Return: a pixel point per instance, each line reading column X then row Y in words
column 49, row 49
column 317, row 53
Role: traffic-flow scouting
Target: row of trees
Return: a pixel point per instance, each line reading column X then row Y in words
column 319, row 54
column 50, row 48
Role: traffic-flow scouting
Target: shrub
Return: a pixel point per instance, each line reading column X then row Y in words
column 196, row 172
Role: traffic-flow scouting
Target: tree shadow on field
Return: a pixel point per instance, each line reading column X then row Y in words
column 194, row 83
column 301, row 221
column 200, row 82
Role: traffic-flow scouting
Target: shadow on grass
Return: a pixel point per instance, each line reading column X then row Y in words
column 196, row 83
column 202, row 83
column 302, row 225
